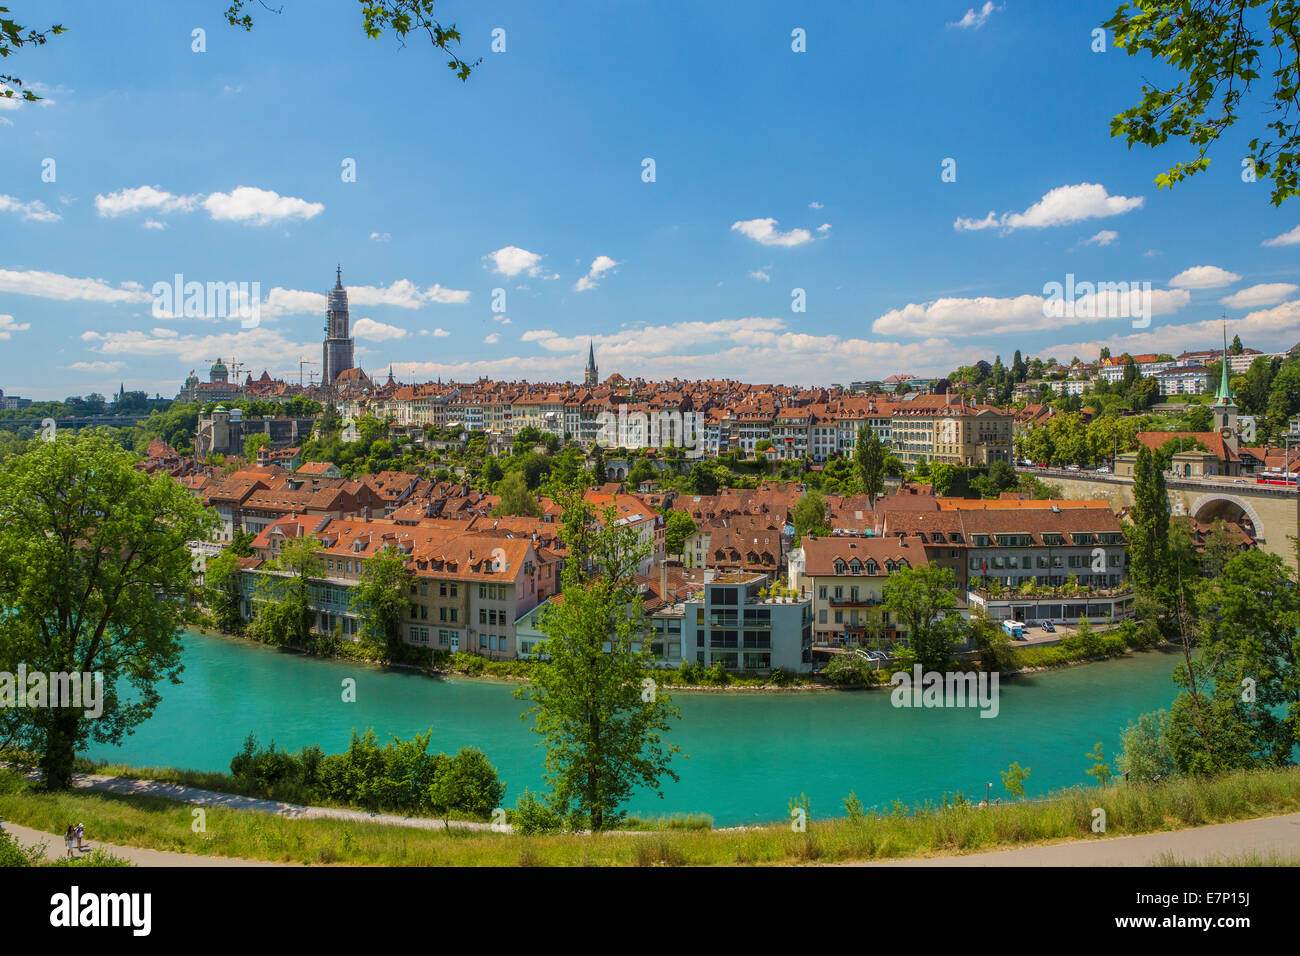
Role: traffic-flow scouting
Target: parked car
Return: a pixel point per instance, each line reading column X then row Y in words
column 1049, row 627
column 1071, row 467
column 1104, row 470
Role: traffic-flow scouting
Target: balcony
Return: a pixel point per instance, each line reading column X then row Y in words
column 855, row 602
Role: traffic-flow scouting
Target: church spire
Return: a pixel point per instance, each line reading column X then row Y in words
column 338, row 276
column 1224, row 396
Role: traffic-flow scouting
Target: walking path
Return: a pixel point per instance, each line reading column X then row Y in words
column 54, row 850
column 1268, row 837
column 211, row 798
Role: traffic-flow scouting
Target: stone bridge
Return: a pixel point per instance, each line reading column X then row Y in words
column 1272, row 510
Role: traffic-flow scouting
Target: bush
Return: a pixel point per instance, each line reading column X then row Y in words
column 781, row 677
column 847, row 669
column 12, row 853
column 534, row 815
column 465, row 783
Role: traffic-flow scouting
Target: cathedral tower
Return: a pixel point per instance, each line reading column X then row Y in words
column 337, row 354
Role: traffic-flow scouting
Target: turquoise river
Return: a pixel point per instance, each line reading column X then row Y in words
column 744, row 754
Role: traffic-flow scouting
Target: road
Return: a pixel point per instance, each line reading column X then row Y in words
column 1267, row 836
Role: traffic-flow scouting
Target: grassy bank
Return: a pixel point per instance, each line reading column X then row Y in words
column 1130, row 809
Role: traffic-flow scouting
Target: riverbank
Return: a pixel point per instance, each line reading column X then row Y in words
column 1108, row 644
column 927, row 831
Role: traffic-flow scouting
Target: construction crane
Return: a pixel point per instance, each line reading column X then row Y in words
column 234, row 370
column 302, row 363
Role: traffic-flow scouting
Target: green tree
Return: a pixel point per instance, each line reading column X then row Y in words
column 678, row 526
column 809, row 516
column 465, row 783
column 1146, row 755
column 516, row 499
column 1148, row 537
column 380, row 599
column 282, row 601
column 598, row 465
column 924, row 604
column 95, row 578
column 602, row 726
column 1013, row 778
column 1100, row 769
column 1217, row 51
column 870, row 454
column 223, row 594
column 252, row 443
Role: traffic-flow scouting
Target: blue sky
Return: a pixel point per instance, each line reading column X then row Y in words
column 775, row 170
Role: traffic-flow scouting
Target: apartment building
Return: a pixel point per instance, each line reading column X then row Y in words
column 845, row 578
column 466, row 590
column 935, row 429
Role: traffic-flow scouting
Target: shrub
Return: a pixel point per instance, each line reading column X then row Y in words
column 847, row 669
column 534, row 815
column 465, row 783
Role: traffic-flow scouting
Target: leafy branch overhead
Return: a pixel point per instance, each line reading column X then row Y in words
column 1222, row 49
column 13, row 37
column 399, row 16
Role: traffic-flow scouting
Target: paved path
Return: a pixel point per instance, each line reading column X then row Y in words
column 54, row 849
column 211, row 798
column 1266, row 836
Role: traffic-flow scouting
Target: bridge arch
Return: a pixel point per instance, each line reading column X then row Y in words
column 1215, row 505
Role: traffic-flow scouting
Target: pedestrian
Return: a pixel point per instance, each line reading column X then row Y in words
column 81, row 833
column 68, row 838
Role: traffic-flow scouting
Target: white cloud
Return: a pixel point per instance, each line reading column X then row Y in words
column 1267, row 293
column 1103, row 238
column 1203, row 277
column 9, row 325
column 1151, row 253
column 380, row 236
column 1289, row 238
column 154, row 224
column 764, row 231
column 973, row 20
column 763, row 347
column 1267, row 329
column 492, row 338
column 268, row 345
column 987, row 315
column 824, row 227
column 259, row 207
column 814, row 205
column 436, row 333
column 511, row 261
column 762, row 275
column 368, row 328
column 143, row 198
column 95, row 366
column 52, row 285
column 34, row 209
column 1058, row 207
column 599, row 266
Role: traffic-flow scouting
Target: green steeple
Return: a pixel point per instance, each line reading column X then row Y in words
column 1224, row 395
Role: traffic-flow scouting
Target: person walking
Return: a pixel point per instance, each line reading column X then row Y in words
column 68, row 838
column 81, row 834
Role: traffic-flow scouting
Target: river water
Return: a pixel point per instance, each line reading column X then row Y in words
column 746, row 754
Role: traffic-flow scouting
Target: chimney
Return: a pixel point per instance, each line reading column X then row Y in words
column 663, row 580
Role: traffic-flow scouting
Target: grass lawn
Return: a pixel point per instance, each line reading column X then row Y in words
column 1130, row 809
